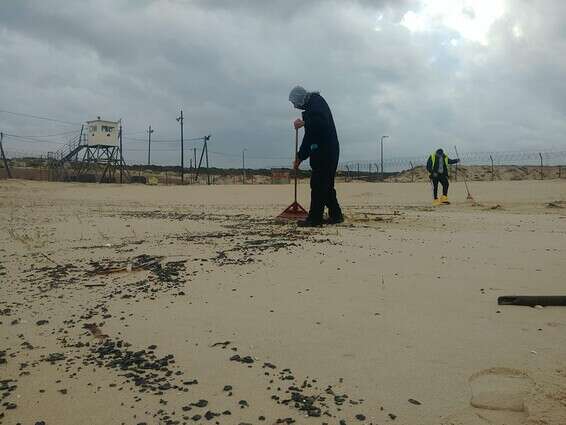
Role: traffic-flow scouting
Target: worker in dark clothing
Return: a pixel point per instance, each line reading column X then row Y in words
column 320, row 144
column 437, row 166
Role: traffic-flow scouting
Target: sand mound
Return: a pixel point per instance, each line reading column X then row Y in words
column 483, row 173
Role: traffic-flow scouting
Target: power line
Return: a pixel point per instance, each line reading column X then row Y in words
column 153, row 150
column 138, row 139
column 229, row 155
column 31, row 139
column 38, row 117
column 250, row 157
column 51, row 135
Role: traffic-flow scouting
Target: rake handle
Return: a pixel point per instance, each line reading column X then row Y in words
column 296, row 156
column 464, row 175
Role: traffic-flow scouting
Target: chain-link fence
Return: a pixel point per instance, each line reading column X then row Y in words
column 510, row 165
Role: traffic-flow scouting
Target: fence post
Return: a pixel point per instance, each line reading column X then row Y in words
column 358, row 170
column 492, row 175
column 456, row 172
column 412, row 172
column 541, row 170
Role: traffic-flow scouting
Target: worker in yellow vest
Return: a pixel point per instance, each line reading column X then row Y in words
column 437, row 166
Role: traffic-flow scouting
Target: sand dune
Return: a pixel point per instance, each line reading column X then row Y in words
column 484, row 173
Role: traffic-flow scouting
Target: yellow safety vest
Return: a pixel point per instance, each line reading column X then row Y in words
column 433, row 159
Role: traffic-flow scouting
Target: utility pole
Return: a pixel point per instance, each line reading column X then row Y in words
column 194, row 163
column 206, row 139
column 382, row 174
column 149, row 145
column 244, row 166
column 180, row 120
column 121, row 157
column 8, row 172
column 204, row 151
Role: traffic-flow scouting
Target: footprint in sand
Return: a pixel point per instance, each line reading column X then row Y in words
column 500, row 389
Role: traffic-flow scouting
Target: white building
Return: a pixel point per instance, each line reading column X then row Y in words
column 102, row 133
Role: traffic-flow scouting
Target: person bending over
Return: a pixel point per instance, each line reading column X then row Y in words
column 320, row 144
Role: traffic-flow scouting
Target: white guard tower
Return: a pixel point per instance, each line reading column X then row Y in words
column 97, row 155
column 102, row 133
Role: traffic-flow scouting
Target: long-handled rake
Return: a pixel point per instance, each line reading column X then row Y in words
column 294, row 211
column 470, row 197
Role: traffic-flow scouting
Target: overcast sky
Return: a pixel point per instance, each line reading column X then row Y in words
column 482, row 74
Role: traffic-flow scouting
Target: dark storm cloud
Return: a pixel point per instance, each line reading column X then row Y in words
column 230, row 65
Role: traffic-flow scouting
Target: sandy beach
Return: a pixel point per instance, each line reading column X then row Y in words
column 189, row 304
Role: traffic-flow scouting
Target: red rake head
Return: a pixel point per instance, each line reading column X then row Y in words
column 293, row 212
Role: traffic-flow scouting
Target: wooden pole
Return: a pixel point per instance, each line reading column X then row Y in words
column 181, row 119
column 8, row 172
column 207, row 169
column 194, row 163
column 296, row 157
column 243, row 166
column 149, row 145
column 121, row 157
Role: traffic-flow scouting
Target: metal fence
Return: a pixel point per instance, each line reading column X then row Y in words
column 398, row 164
column 537, row 163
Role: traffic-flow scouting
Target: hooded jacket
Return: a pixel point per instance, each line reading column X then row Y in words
column 320, row 142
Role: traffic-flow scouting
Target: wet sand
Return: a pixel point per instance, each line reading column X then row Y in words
column 162, row 305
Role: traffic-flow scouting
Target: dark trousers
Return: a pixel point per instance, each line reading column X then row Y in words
column 323, row 193
column 443, row 181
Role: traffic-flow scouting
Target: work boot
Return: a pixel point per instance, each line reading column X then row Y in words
column 334, row 220
column 444, row 199
column 436, row 202
column 308, row 223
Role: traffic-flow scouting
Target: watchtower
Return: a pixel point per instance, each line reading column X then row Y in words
column 95, row 155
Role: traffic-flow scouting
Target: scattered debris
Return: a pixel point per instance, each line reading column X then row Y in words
column 54, row 357
column 95, row 330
